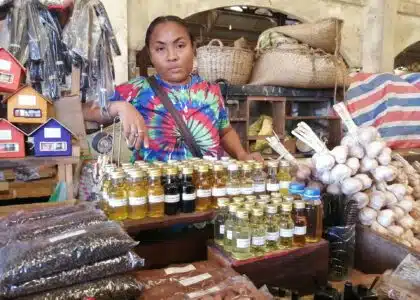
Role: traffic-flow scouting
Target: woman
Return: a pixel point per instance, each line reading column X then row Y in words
column 148, row 126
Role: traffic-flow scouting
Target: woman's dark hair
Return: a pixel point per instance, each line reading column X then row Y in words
column 164, row 19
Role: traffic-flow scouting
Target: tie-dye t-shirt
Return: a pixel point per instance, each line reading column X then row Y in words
column 200, row 105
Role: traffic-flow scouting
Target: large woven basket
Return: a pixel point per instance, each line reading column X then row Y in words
column 220, row 62
column 324, row 34
column 299, row 68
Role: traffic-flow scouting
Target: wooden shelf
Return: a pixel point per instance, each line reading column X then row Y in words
column 238, row 120
column 333, row 118
column 29, row 189
column 135, row 226
column 32, row 161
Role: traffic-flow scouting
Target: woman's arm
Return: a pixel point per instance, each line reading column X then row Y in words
column 232, row 144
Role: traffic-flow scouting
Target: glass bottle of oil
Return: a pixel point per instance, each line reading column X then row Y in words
column 259, row 177
column 284, row 176
column 106, row 183
column 156, row 194
column 118, row 200
column 247, row 182
column 258, row 234
column 229, row 225
column 273, row 185
column 203, row 201
column 220, row 220
column 286, row 226
column 219, row 184
column 171, row 188
column 314, row 214
column 296, row 190
column 272, row 228
column 299, row 218
column 137, row 195
column 233, row 185
column 188, row 191
column 242, row 236
column 240, row 201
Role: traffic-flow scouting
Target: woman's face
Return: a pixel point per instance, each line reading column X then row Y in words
column 171, row 52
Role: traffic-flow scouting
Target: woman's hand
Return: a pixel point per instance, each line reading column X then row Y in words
column 251, row 156
column 134, row 127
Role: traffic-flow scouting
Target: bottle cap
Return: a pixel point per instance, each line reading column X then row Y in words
column 299, row 204
column 203, row 169
column 117, row 175
column 218, row 167
column 258, row 166
column 238, row 200
column 312, row 194
column 242, row 214
column 276, row 195
column 251, row 198
column 286, row 207
column 187, row 171
column 265, row 197
column 289, row 198
column 271, row 209
column 136, row 173
column 233, row 208
column 249, row 206
column 172, row 171
column 155, row 172
column 272, row 164
column 277, row 201
column 296, row 188
column 247, row 167
column 126, row 165
column 257, row 212
column 233, row 167
column 222, row 202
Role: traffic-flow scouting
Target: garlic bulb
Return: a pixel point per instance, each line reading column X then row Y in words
column 367, row 215
column 362, row 199
column 367, row 182
column 395, row 230
column 365, row 135
column 323, row 161
column 377, row 200
column 384, row 157
column 340, row 154
column 379, row 228
column 398, row 189
column 334, row 189
column 383, row 173
column 407, row 235
column 326, row 177
column 398, row 212
column 356, row 151
column 348, row 141
column 350, row 186
column 374, row 148
column 409, row 198
column 385, row 217
column 354, row 164
column 340, row 172
column 303, row 172
column 407, row 222
column 406, row 205
column 368, row 164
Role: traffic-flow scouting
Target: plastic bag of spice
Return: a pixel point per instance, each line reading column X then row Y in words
column 22, row 217
column 111, row 288
column 119, row 265
column 34, row 259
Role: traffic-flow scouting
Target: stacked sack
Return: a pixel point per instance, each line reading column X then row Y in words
column 67, row 252
column 300, row 56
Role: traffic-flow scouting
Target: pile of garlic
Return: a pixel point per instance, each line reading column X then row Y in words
column 364, row 169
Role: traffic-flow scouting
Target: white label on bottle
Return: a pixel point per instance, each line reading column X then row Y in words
column 134, row 201
column 300, row 230
column 229, row 234
column 259, row 187
column 156, row 199
column 178, row 270
column 243, row 243
column 272, row 236
column 247, row 190
column 26, row 100
column 222, row 229
column 203, row 193
column 203, row 293
column 172, row 198
column 117, row 202
column 284, row 184
column 5, row 65
column 66, row 236
column 218, row 192
column 258, row 240
column 233, row 191
column 189, row 197
column 286, row 233
column 5, row 135
column 273, row 187
column 195, row 279
column 52, row 133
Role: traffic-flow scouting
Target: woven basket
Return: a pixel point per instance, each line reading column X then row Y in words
column 220, row 62
column 324, row 34
column 299, row 69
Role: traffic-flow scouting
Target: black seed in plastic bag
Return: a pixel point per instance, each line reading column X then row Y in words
column 106, row 268
column 26, row 261
column 111, row 288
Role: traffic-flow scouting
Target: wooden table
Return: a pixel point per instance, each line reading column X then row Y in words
column 295, row 269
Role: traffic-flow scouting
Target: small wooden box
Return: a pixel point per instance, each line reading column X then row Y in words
column 300, row 269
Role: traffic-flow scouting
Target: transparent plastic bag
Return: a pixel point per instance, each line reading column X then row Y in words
column 111, row 288
column 29, row 260
column 22, row 217
column 119, row 265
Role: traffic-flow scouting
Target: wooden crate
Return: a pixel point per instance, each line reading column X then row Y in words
column 298, row 269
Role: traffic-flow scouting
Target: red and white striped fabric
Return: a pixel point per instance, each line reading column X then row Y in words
column 390, row 103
